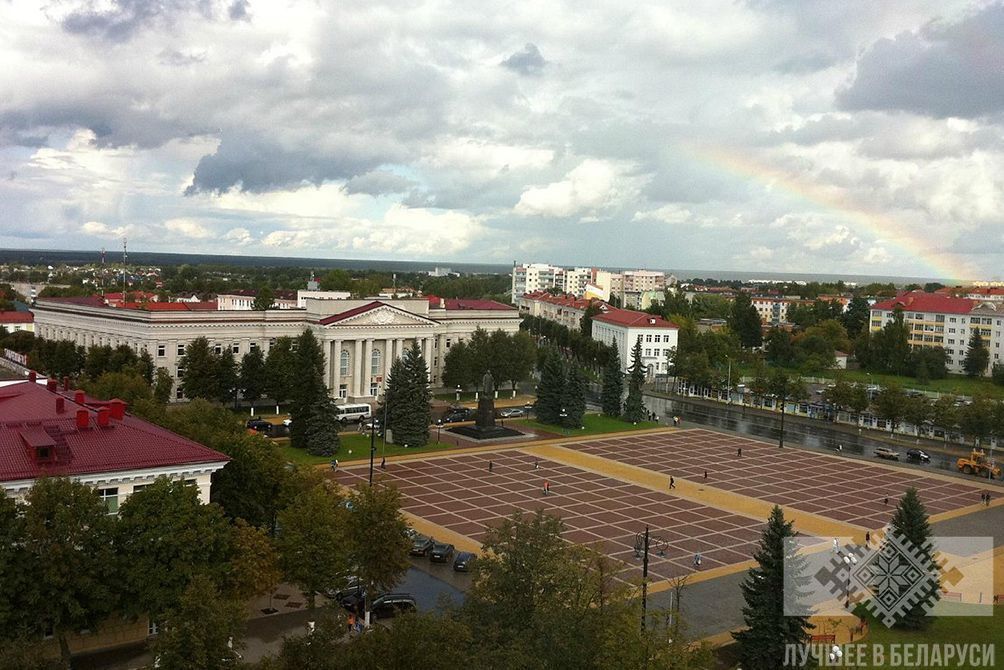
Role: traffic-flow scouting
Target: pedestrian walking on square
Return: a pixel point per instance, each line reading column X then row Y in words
column 672, row 483
column 836, row 545
column 705, row 474
column 547, row 487
column 491, row 466
column 739, row 452
column 352, row 621
column 383, row 463
column 334, row 465
column 536, row 464
column 886, row 501
column 868, row 538
column 697, row 560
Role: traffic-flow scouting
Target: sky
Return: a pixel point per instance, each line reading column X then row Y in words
column 854, row 137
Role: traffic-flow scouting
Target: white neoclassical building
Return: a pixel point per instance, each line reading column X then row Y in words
column 361, row 338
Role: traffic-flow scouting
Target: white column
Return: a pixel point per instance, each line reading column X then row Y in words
column 357, row 368
column 388, row 359
column 336, row 366
column 400, row 347
column 427, row 351
column 367, row 365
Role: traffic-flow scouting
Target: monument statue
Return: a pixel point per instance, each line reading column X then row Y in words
column 486, row 403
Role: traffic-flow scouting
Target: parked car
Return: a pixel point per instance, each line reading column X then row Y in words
column 918, row 455
column 393, row 604
column 887, row 453
column 353, row 586
column 441, row 552
column 463, row 561
column 511, row 412
column 458, row 414
column 421, row 545
column 260, row 425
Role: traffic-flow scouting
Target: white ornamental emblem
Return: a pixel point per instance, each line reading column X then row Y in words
column 383, row 318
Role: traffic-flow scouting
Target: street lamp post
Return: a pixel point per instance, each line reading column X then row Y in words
column 563, row 415
column 728, row 383
column 373, row 426
column 642, row 542
column 458, row 392
column 439, row 430
column 850, row 560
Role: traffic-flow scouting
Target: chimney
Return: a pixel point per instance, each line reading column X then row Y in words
column 651, row 321
column 442, row 303
column 66, row 383
column 103, row 417
column 117, row 408
column 60, row 404
column 79, row 397
column 51, row 384
column 83, row 419
column 32, row 377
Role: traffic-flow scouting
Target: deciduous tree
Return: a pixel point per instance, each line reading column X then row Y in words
column 196, row 633
column 200, row 364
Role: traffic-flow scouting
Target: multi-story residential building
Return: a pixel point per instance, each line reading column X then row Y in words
column 622, row 328
column 639, row 281
column 243, row 299
column 938, row 320
column 361, row 338
column 611, row 282
column 563, row 309
column 533, row 277
column 15, row 321
column 772, row 310
column 577, row 279
column 986, row 294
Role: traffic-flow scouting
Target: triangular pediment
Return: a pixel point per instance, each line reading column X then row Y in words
column 378, row 314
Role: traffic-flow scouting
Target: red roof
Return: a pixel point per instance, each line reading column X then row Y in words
column 335, row 318
column 633, row 319
column 918, row 301
column 29, row 418
column 277, row 294
column 17, row 317
column 172, row 306
column 562, row 300
column 465, row 303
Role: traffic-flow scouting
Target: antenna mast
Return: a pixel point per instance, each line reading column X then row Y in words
column 124, row 258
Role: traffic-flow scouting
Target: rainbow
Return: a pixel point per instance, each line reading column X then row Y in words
column 939, row 264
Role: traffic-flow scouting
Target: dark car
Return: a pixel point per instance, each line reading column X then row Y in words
column 463, row 561
column 393, row 604
column 352, row 588
column 260, row 425
column 421, row 545
column 918, row 455
column 458, row 414
column 441, row 552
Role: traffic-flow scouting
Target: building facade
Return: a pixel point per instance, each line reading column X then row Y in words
column 15, row 321
column 937, row 320
column 244, row 300
column 533, row 277
column 622, row 328
column 361, row 338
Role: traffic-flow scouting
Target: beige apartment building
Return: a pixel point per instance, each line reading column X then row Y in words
column 361, row 338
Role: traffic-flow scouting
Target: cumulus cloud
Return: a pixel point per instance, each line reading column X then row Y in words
column 589, row 187
column 943, row 69
column 379, row 182
column 188, row 228
column 527, row 61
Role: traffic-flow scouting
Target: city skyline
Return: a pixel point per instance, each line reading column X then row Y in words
column 860, row 139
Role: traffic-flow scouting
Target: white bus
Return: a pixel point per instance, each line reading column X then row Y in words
column 353, row 413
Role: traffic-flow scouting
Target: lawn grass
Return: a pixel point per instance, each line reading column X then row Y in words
column 944, row 630
column 595, row 424
column 359, row 446
column 954, row 384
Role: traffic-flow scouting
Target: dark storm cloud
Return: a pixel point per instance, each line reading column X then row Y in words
column 256, row 167
column 179, row 59
column 941, row 70
column 239, row 11
column 379, row 182
column 123, row 19
column 529, row 61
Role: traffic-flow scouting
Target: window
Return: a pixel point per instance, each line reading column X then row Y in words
column 448, row 343
column 343, row 363
column 648, row 338
column 374, row 389
column 217, row 348
column 254, row 345
column 139, row 487
column 178, row 393
column 648, row 352
column 181, row 349
column 161, row 350
column 343, row 391
column 974, row 319
column 939, row 318
column 110, row 497
column 152, row 628
column 235, row 348
column 658, row 338
column 951, row 330
column 375, row 363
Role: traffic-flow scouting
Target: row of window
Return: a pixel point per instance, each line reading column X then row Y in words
column 110, row 496
column 658, row 338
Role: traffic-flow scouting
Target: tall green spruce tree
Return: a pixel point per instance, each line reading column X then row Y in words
column 634, row 408
column 309, row 389
column 407, row 398
column 613, row 385
column 910, row 524
column 767, row 588
column 744, row 321
column 574, row 397
column 550, row 391
column 977, row 356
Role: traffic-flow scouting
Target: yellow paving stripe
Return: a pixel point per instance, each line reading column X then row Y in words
column 963, row 511
column 754, row 508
